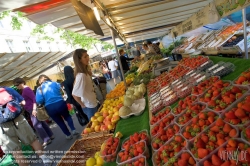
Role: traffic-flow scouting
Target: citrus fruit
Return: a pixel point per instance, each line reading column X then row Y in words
column 90, row 162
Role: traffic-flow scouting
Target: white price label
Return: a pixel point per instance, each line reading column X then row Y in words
column 184, row 89
column 190, row 72
column 200, row 79
column 175, row 82
column 219, row 69
column 204, row 63
column 214, row 66
column 163, row 89
column 178, row 83
column 197, row 76
column 179, row 86
column 169, row 98
column 164, row 92
column 157, row 104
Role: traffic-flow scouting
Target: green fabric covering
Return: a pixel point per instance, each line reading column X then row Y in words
column 134, row 124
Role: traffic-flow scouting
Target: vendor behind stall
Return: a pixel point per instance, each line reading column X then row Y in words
column 124, row 60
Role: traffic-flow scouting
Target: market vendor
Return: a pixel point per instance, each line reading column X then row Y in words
column 148, row 49
column 124, row 60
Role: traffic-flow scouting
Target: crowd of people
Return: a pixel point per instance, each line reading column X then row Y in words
column 78, row 85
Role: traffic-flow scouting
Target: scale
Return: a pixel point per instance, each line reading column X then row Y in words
column 163, row 65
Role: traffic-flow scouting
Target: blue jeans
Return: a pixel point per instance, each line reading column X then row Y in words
column 59, row 111
column 107, row 76
column 90, row 111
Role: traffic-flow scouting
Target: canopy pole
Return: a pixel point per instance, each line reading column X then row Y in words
column 245, row 31
column 117, row 55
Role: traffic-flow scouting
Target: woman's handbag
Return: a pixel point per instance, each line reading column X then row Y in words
column 41, row 114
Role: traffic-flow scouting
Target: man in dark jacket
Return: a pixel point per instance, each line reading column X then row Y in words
column 124, row 60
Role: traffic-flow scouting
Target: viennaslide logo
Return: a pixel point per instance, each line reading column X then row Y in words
column 236, row 155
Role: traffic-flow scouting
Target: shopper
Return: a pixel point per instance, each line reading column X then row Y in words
column 105, row 71
column 83, row 90
column 68, row 86
column 124, row 60
column 30, row 106
column 119, row 70
column 18, row 130
column 49, row 94
column 154, row 47
column 148, row 49
column 113, row 68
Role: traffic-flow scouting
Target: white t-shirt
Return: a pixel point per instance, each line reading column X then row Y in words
column 112, row 65
column 83, row 88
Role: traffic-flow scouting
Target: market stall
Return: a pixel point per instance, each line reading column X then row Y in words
column 150, row 130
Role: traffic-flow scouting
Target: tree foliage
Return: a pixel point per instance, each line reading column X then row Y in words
column 71, row 38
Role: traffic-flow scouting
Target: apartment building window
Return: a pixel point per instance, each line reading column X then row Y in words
column 39, row 46
column 49, row 46
column 10, row 44
column 27, row 45
column 58, row 46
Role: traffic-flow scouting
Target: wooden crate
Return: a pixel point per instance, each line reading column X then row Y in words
column 83, row 149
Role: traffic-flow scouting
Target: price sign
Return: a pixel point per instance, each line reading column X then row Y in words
column 219, row 69
column 214, row 66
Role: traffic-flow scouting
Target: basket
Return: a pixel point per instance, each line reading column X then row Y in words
column 82, row 150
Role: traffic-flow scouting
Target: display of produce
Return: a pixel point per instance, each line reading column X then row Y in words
column 109, row 149
column 212, row 138
column 169, row 150
column 106, row 118
column 162, row 124
column 246, row 134
column 160, row 115
column 164, row 135
column 183, row 158
column 244, row 78
column 139, row 148
column 136, row 137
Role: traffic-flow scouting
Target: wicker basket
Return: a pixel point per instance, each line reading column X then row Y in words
column 83, row 149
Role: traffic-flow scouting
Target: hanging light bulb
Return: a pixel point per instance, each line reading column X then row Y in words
column 96, row 12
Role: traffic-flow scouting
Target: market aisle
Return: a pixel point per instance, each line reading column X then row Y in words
column 60, row 143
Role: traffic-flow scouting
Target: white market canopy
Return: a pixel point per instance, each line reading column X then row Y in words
column 135, row 19
column 26, row 64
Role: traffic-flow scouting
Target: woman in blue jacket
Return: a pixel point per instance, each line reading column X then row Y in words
column 49, row 94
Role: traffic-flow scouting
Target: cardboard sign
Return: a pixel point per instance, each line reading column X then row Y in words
column 207, row 15
column 227, row 7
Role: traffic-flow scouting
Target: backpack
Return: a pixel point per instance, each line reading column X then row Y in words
column 9, row 108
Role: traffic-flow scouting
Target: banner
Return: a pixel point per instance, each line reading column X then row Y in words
column 207, row 15
column 227, row 7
